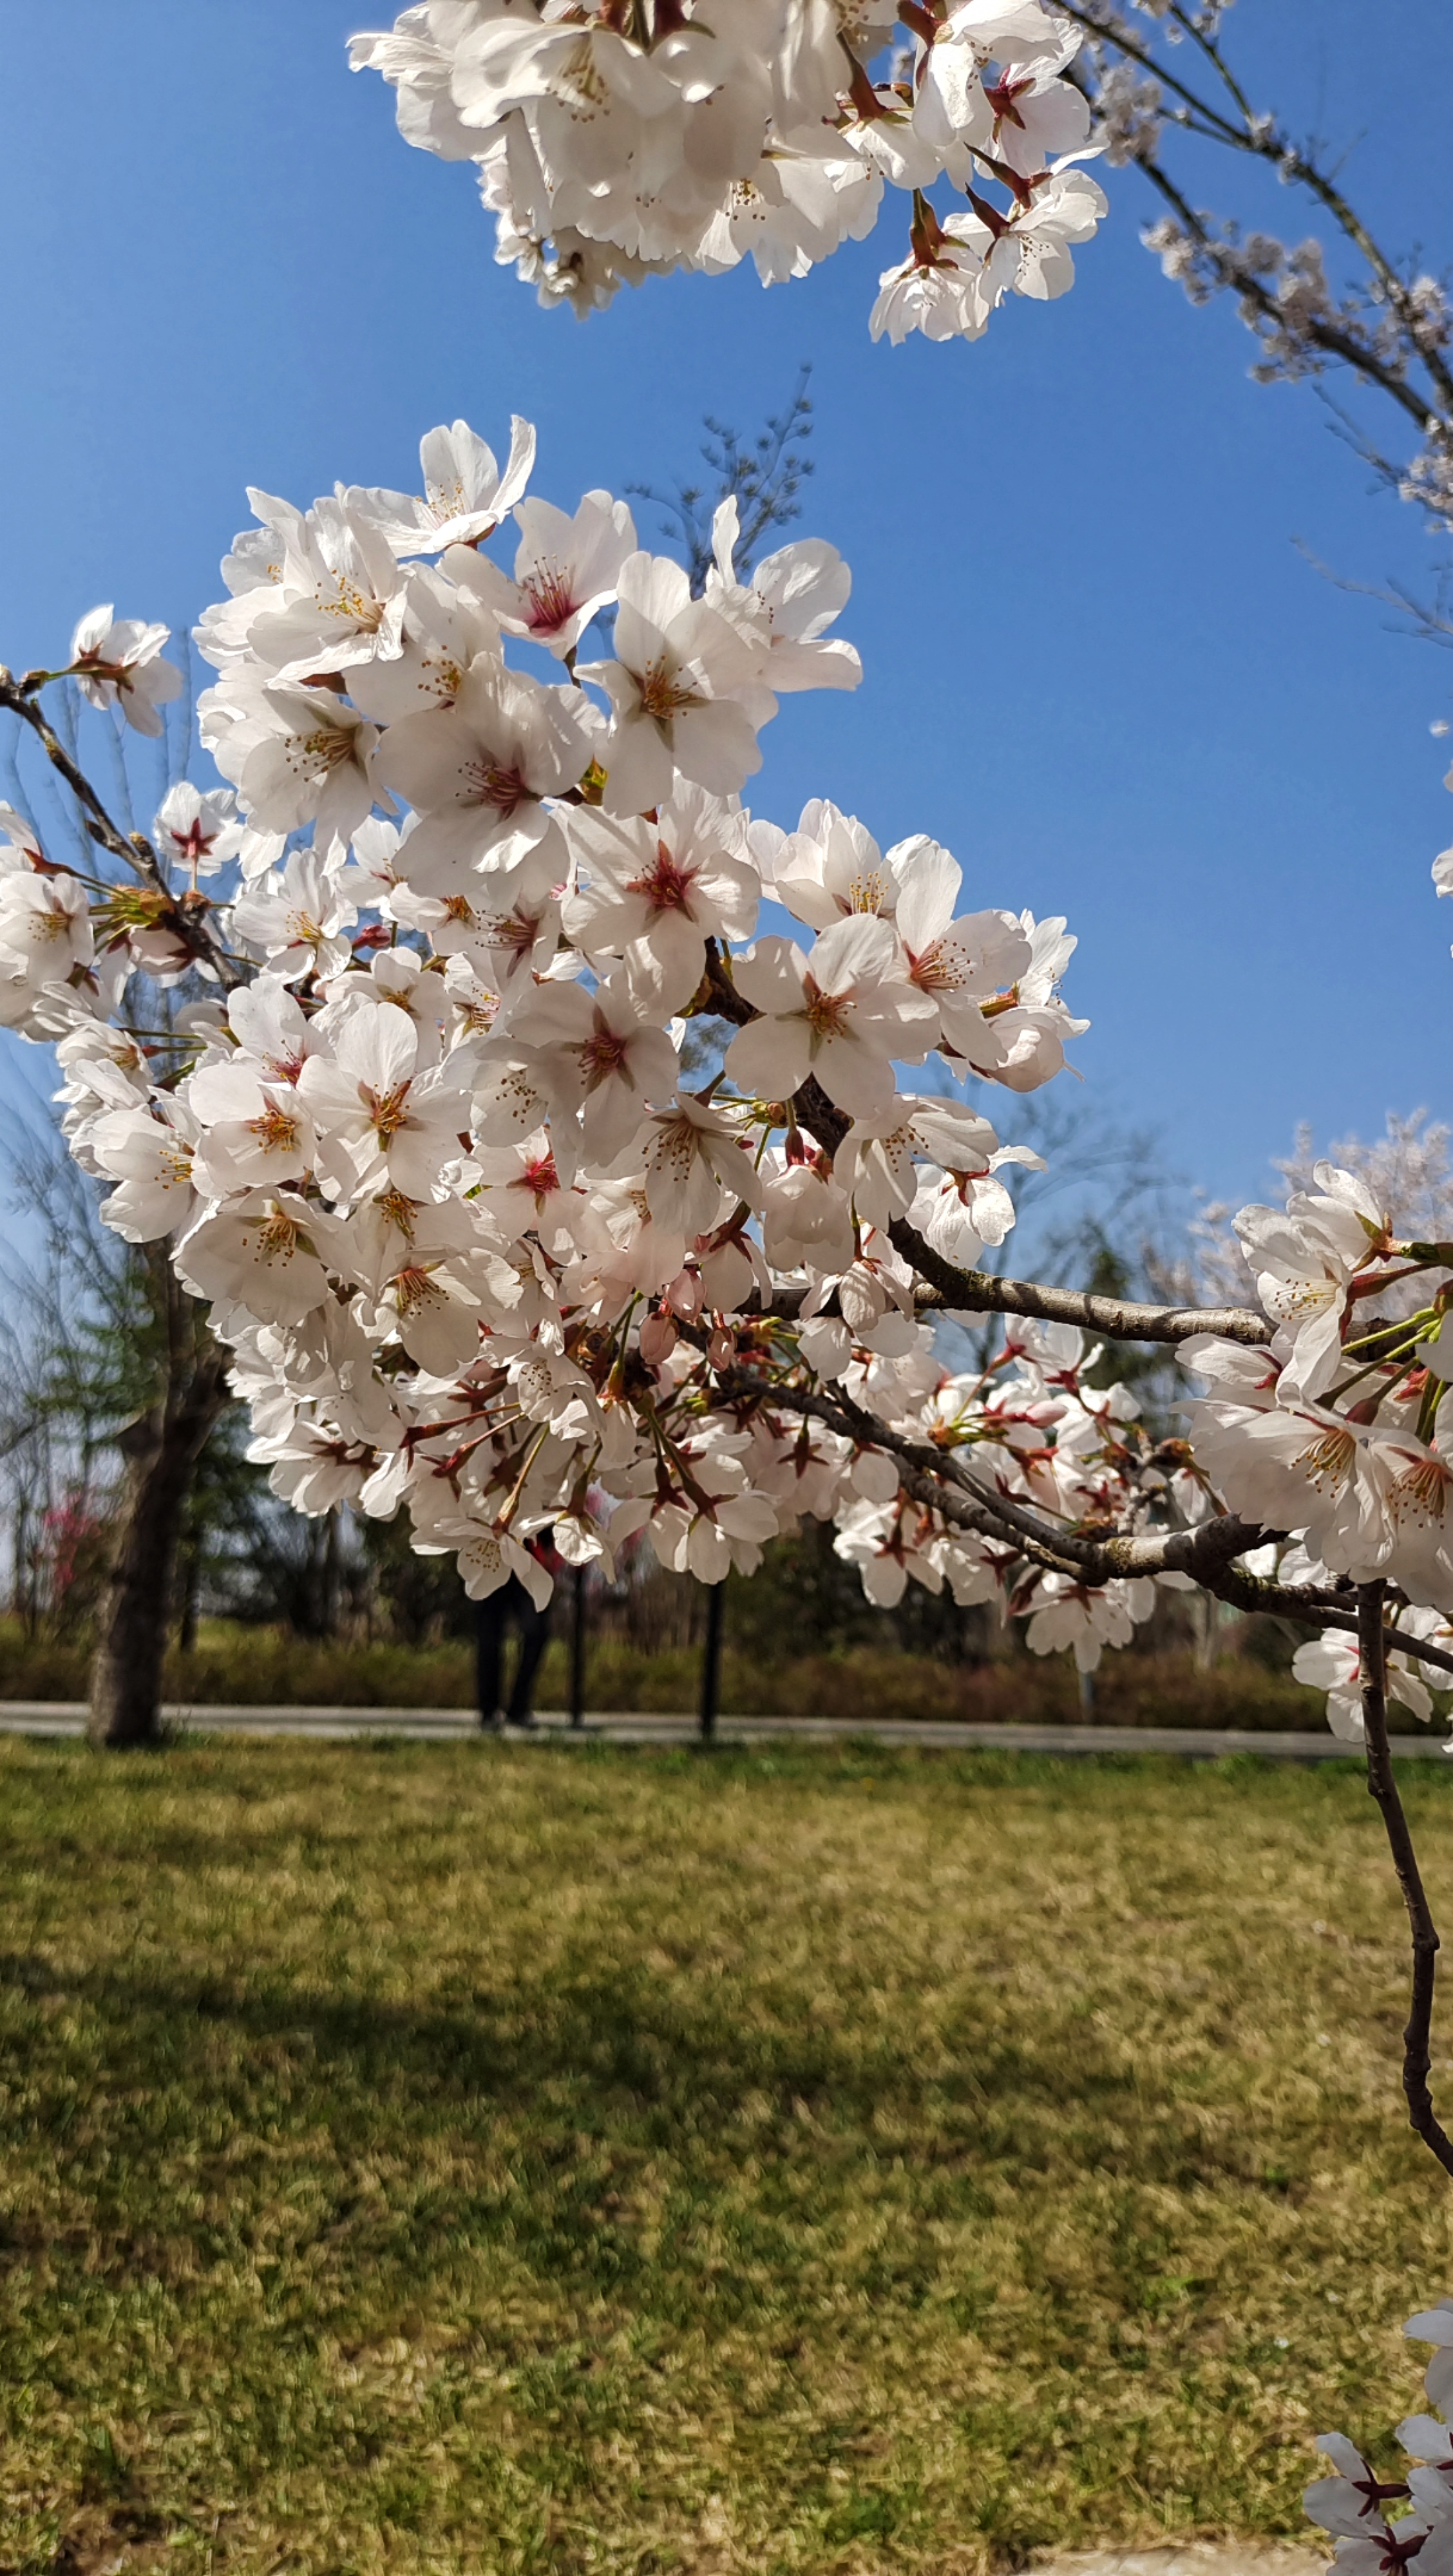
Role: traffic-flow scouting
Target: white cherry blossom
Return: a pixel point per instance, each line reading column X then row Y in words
column 613, row 147
column 566, row 569
column 686, row 689
column 672, row 884
column 478, row 772
column 379, row 1124
column 119, row 662
column 299, row 918
column 195, row 832
column 465, row 494
column 839, row 1016
column 296, row 756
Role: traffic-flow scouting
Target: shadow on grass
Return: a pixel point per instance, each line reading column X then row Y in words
column 600, row 2071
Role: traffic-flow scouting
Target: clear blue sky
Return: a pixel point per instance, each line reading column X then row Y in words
column 1096, row 665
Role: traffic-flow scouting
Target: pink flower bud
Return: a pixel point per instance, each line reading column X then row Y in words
column 658, row 1339
column 722, row 1348
column 684, row 1296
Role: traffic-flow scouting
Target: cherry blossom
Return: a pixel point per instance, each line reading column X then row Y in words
column 198, row 833
column 686, row 691
column 299, row 916
column 465, row 494
column 118, row 662
column 566, row 569
column 296, row 756
column 671, row 884
column 616, row 146
column 515, row 1168
column 478, row 772
column 839, row 1016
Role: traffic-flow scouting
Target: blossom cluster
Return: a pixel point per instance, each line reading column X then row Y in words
column 619, row 139
column 1382, row 2526
column 1334, row 1435
column 531, row 1179
column 559, row 1145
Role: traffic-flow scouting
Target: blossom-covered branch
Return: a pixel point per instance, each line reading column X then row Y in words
column 425, row 1140
column 1157, row 70
column 618, row 142
column 174, row 923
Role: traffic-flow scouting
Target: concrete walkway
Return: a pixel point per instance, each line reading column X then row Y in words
column 451, row 1725
column 1190, row 2558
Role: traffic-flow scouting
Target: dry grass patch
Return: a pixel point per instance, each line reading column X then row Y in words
column 460, row 2158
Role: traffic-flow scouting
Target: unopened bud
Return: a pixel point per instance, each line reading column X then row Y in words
column 684, row 1296
column 658, row 1340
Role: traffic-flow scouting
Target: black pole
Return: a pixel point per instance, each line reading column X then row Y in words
column 577, row 1651
column 711, row 1660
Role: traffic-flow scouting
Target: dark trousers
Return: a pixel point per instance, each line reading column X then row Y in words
column 511, row 1606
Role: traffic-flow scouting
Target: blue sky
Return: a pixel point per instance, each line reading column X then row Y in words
column 1097, row 665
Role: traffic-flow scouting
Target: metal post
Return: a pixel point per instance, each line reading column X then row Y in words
column 711, row 1660
column 577, row 1651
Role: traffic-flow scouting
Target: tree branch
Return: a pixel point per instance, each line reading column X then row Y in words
column 1382, row 1785
column 1207, row 1553
column 1263, row 139
column 132, row 848
column 1115, row 1319
column 983, row 1292
column 1333, row 338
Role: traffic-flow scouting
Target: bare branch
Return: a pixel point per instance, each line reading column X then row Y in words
column 1115, row 1319
column 763, row 479
column 1382, row 1785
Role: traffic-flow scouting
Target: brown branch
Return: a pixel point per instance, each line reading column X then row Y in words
column 981, row 1292
column 1333, row 338
column 1108, row 34
column 132, row 848
column 1206, row 1554
column 1263, row 139
column 1382, row 1785
column 1115, row 1319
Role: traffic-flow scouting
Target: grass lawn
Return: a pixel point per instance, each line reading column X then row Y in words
column 477, row 2158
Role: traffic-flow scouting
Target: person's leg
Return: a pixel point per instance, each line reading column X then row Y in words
column 534, row 1627
column 489, row 1628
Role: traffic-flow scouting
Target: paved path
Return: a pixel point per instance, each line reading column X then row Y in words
column 451, row 1725
column 1190, row 2558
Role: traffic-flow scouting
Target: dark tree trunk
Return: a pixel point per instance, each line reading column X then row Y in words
column 161, row 1450
column 190, row 1587
column 319, row 1602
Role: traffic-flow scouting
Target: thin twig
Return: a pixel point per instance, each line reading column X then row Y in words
column 132, row 848
column 1382, row 1785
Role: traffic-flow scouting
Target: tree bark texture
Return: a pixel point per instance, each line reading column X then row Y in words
column 161, row 1449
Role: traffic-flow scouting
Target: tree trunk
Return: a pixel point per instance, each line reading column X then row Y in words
column 161, row 1450
column 190, row 1586
column 318, row 1602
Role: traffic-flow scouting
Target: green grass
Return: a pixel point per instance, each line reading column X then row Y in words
column 465, row 2158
